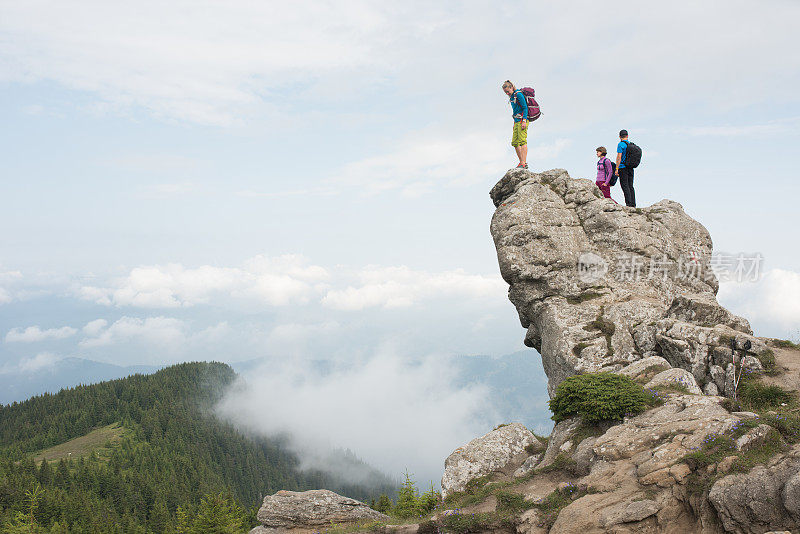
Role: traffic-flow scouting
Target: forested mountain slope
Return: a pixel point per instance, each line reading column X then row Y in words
column 173, row 452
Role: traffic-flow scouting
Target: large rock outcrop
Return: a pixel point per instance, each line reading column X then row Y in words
column 311, row 511
column 599, row 286
column 604, row 287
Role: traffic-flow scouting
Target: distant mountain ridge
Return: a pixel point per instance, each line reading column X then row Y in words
column 19, row 385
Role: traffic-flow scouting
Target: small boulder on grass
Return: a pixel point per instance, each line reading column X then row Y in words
column 313, row 510
column 678, row 379
column 755, row 437
column 528, row 465
column 486, row 455
column 645, row 368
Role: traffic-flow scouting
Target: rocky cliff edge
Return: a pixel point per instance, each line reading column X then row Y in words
column 599, row 286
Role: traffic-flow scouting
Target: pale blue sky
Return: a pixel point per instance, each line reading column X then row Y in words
column 237, row 180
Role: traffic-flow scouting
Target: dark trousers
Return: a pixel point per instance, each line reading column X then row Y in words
column 626, row 182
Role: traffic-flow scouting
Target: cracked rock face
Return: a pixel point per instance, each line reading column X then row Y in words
column 764, row 499
column 599, row 286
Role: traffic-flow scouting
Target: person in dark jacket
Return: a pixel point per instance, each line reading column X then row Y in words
column 519, row 111
column 625, row 173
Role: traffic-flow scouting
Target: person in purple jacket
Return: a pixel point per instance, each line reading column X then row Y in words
column 604, row 172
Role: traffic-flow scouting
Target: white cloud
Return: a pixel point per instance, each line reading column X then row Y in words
column 31, row 364
column 548, row 151
column 210, row 65
column 293, row 265
column 214, row 334
column 326, row 191
column 382, row 408
column 161, row 339
column 426, row 158
column 771, row 127
column 34, row 109
column 38, row 362
column 7, row 279
column 32, row 334
column 154, row 162
column 290, row 280
column 220, row 63
column 277, row 281
column 296, row 339
column 164, row 332
column 172, row 189
column 396, row 287
column 433, row 158
column 93, row 328
column 772, row 303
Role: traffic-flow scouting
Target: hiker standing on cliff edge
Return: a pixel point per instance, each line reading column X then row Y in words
column 624, row 172
column 519, row 137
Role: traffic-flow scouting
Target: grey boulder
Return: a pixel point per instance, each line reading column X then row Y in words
column 486, row 455
column 309, row 510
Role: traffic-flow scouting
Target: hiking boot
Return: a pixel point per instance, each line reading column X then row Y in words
column 525, row 166
column 521, row 166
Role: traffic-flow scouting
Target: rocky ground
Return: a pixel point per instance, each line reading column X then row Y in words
column 661, row 471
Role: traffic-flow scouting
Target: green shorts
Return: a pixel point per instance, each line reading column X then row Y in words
column 520, row 136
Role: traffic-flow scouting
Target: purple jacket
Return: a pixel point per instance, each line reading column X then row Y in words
column 603, row 170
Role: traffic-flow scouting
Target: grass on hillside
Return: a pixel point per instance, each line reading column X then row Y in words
column 98, row 440
column 786, row 344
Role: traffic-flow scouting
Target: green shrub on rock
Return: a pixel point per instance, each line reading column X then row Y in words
column 599, row 397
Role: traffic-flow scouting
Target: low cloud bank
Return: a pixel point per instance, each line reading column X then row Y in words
column 394, row 413
column 284, row 281
column 772, row 304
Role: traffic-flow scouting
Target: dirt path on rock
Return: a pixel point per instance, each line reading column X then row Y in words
column 787, row 361
column 542, row 486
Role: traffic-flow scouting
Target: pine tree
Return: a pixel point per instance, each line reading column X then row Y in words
column 407, row 499
column 25, row 522
column 217, row 515
column 384, row 505
column 61, row 479
column 159, row 517
column 45, row 474
column 429, row 500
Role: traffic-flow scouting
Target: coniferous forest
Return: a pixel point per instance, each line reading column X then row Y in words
column 171, row 464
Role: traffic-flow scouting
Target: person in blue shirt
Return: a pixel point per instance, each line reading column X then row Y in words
column 625, row 173
column 519, row 112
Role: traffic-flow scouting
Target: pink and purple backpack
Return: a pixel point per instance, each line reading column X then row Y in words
column 534, row 112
